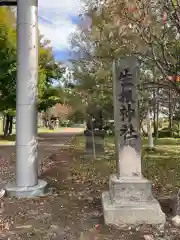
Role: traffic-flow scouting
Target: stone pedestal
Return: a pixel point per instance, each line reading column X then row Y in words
column 98, row 141
column 37, row 190
column 130, row 202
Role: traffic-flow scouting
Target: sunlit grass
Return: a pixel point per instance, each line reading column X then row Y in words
column 161, row 165
column 12, row 138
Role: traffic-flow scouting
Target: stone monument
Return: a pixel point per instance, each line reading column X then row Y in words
column 129, row 200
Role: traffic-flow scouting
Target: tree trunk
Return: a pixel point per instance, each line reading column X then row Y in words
column 10, row 125
column 141, row 127
column 154, row 113
column 144, row 132
column 4, row 122
column 45, row 123
column 157, row 118
column 6, row 127
column 150, row 137
column 50, row 125
column 170, row 113
column 140, row 118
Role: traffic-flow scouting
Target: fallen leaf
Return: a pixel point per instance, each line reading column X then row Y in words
column 176, row 221
column 24, row 226
column 2, row 193
column 148, row 237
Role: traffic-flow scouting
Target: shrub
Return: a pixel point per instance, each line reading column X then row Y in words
column 109, row 129
column 163, row 133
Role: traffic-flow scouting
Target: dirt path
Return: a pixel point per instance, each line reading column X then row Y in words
column 48, row 143
column 72, row 209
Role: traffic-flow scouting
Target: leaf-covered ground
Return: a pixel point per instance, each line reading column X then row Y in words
column 72, row 209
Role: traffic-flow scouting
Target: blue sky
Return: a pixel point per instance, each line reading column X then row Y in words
column 57, row 20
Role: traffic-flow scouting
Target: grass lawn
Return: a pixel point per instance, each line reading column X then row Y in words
column 161, row 165
column 11, row 139
column 7, row 140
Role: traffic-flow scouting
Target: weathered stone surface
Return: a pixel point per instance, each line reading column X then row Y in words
column 130, row 202
column 126, row 116
column 130, row 189
column 130, row 162
column 26, row 192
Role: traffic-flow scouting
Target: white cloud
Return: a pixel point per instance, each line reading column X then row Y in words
column 61, row 6
column 54, row 23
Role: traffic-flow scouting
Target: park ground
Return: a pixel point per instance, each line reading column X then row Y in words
column 72, row 208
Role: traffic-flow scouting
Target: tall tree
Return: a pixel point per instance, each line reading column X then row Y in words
column 147, row 29
column 49, row 70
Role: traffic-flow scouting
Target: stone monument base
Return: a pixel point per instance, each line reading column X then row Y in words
column 130, row 202
column 26, row 192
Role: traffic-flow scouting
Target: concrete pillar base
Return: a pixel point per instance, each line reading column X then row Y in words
column 130, row 202
column 26, row 192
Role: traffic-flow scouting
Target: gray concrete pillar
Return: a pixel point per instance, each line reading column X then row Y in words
column 27, row 183
column 27, row 73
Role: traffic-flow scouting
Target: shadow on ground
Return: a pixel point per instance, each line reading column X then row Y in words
column 72, row 207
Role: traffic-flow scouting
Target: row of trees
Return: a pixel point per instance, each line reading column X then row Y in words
column 149, row 30
column 49, row 70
